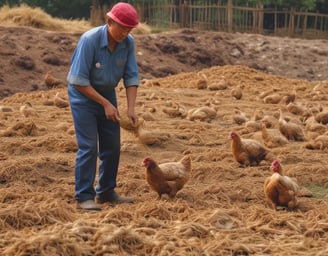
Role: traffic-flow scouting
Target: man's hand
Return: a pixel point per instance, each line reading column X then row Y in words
column 133, row 118
column 111, row 112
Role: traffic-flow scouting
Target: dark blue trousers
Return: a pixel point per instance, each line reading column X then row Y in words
column 96, row 137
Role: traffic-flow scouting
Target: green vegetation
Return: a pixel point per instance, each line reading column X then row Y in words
column 319, row 190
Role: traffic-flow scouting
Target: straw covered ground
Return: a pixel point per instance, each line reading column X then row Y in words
column 190, row 109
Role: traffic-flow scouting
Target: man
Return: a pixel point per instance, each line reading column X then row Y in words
column 104, row 55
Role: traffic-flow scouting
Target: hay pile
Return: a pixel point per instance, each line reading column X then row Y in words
column 220, row 211
column 27, row 16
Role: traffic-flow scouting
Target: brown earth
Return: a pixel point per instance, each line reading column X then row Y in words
column 222, row 209
column 28, row 54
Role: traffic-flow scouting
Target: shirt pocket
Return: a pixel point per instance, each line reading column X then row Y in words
column 99, row 71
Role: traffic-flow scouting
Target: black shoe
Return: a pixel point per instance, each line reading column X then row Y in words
column 112, row 197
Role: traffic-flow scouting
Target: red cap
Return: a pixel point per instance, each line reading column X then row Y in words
column 124, row 14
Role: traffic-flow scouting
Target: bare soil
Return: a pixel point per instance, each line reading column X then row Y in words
column 28, row 54
column 222, row 209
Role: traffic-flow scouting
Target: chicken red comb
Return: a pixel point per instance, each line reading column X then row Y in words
column 275, row 166
column 275, row 163
column 232, row 134
column 146, row 159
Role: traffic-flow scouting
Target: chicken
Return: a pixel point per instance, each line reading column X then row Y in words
column 27, row 110
column 167, row 178
column 311, row 125
column 254, row 124
column 218, row 85
column 299, row 110
column 322, row 117
column 239, row 117
column 237, row 93
column 270, row 121
column 174, row 110
column 202, row 81
column 52, row 81
column 272, row 137
column 320, row 142
column 248, row 152
column 280, row 190
column 291, row 130
column 204, row 113
column 60, row 102
column 289, row 96
column 274, row 98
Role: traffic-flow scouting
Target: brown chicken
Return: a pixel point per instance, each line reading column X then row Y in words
column 281, row 191
column 52, row 81
column 167, row 178
column 60, row 102
column 292, row 131
column 249, row 152
column 27, row 110
column 322, row 117
column 272, row 137
column 320, row 142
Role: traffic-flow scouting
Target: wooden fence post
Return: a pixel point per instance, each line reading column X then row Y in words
column 184, row 15
column 260, row 21
column 275, row 20
column 230, row 16
column 98, row 11
column 291, row 22
column 304, row 25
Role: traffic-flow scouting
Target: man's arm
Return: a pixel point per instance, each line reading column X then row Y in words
column 131, row 95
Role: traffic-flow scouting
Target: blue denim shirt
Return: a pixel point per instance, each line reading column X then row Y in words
column 92, row 62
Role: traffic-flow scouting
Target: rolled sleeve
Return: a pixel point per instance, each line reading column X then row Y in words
column 131, row 74
column 76, row 80
column 81, row 62
column 134, row 81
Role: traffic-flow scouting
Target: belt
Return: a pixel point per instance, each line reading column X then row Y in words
column 103, row 88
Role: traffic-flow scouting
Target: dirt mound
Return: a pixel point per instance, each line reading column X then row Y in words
column 27, row 55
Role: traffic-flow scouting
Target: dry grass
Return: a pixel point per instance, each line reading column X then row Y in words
column 221, row 210
column 25, row 15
